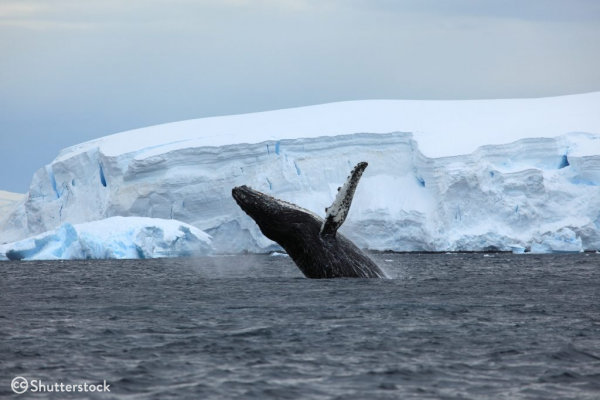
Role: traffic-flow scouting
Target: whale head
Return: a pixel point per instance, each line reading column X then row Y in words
column 278, row 220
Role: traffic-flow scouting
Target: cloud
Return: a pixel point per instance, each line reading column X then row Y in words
column 94, row 14
column 15, row 9
column 76, row 14
column 529, row 10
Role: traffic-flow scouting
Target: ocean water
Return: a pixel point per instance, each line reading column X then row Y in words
column 252, row 327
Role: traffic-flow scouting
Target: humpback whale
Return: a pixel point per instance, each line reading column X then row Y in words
column 311, row 241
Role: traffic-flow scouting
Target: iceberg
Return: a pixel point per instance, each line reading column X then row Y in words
column 517, row 248
column 563, row 241
column 443, row 175
column 112, row 238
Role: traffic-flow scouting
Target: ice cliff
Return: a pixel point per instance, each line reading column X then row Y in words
column 443, row 175
column 115, row 237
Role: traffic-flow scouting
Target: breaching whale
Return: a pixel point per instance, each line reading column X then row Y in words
column 311, row 241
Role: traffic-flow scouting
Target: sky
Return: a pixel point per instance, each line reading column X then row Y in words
column 72, row 70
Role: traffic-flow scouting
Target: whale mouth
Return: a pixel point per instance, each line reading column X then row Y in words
column 243, row 194
column 238, row 193
column 261, row 205
column 249, row 200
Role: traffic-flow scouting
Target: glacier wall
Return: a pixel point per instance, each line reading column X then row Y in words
column 515, row 193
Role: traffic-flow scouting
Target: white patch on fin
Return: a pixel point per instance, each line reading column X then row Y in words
column 337, row 212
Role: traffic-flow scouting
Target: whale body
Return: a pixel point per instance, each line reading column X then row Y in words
column 312, row 242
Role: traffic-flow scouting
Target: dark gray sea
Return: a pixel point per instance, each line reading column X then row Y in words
column 447, row 326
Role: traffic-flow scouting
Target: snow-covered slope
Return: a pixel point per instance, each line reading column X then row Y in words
column 115, row 237
column 443, row 175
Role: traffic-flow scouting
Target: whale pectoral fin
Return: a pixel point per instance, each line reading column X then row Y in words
column 337, row 212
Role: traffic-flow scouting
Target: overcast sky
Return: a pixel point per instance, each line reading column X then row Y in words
column 73, row 70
